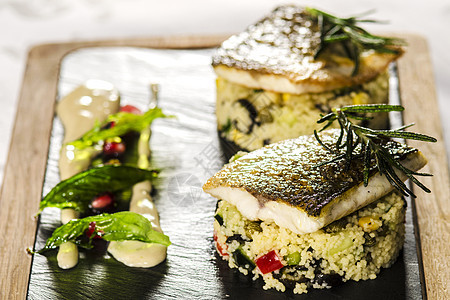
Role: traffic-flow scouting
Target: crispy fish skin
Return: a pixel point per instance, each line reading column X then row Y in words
column 283, row 183
column 277, row 54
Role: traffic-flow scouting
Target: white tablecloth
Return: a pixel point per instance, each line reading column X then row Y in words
column 25, row 23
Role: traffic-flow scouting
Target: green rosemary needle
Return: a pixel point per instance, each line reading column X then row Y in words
column 358, row 142
column 352, row 38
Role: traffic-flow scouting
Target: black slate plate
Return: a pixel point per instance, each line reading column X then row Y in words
column 187, row 150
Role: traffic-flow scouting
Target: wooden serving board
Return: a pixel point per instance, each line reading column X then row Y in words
column 26, row 166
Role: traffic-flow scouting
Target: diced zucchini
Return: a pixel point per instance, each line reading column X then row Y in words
column 226, row 211
column 251, row 227
column 219, row 219
column 346, row 242
column 242, row 260
column 293, row 258
column 227, row 126
column 287, row 116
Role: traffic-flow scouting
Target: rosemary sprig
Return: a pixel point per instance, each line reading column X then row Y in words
column 372, row 143
column 352, row 38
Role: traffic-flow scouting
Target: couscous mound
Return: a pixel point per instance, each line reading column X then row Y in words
column 355, row 247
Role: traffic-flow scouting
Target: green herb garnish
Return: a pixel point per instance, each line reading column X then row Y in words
column 78, row 191
column 121, row 226
column 369, row 144
column 123, row 122
column 352, row 38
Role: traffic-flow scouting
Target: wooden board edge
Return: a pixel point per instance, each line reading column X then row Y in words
column 418, row 95
column 157, row 42
column 25, row 166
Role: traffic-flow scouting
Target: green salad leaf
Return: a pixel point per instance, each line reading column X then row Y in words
column 121, row 226
column 78, row 191
column 124, row 122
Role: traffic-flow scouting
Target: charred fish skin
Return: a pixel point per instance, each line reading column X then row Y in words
column 278, row 54
column 291, row 189
column 289, row 172
column 289, row 37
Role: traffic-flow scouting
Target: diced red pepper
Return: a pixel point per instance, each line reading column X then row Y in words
column 219, row 247
column 131, row 109
column 269, row 262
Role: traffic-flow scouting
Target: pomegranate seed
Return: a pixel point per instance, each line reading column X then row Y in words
column 102, row 203
column 90, row 229
column 131, row 109
column 113, row 148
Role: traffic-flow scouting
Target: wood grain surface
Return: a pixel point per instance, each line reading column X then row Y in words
column 25, row 167
column 418, row 95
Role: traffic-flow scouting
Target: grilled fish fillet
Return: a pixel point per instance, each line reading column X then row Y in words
column 283, row 184
column 277, row 54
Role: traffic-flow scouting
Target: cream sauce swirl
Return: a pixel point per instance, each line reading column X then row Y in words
column 89, row 103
